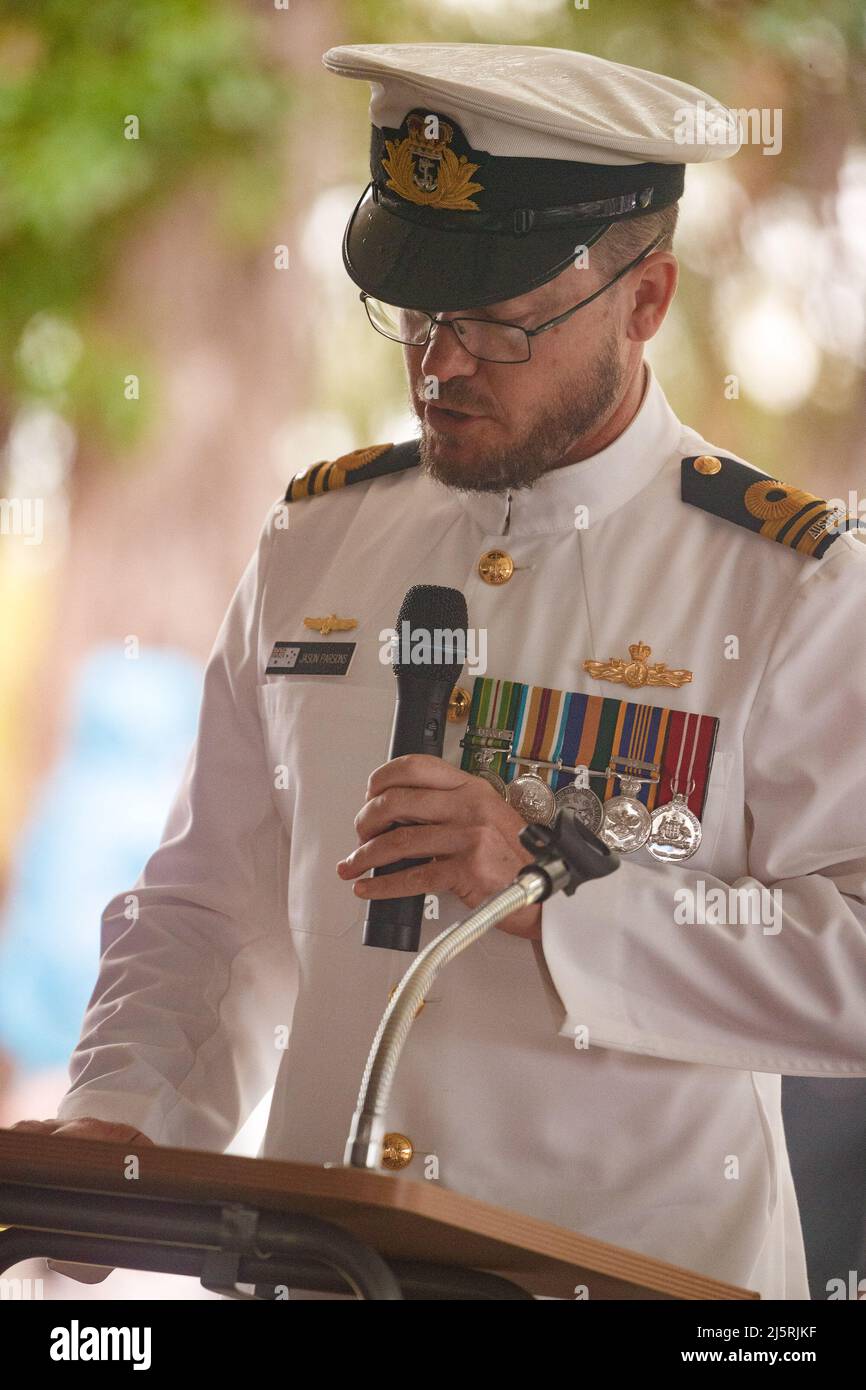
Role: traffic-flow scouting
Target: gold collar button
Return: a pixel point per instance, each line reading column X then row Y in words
column 496, row 567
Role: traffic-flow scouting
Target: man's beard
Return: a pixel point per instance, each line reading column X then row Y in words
column 573, row 414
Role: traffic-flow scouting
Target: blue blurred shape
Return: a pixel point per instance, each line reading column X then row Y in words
column 98, row 816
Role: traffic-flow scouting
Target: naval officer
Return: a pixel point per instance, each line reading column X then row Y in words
column 671, row 648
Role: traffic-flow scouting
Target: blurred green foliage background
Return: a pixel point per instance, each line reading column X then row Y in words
column 178, row 335
column 211, row 92
column 104, row 109
column 177, row 332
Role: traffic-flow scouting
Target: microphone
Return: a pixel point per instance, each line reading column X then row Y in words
column 431, row 648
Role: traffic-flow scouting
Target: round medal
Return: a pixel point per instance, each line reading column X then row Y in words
column 532, row 797
column 626, row 823
column 583, row 802
column 482, row 768
column 493, row 778
column 675, row 831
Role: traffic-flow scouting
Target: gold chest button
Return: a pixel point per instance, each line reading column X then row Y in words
column 708, row 464
column 496, row 567
column 458, row 705
column 397, row 1151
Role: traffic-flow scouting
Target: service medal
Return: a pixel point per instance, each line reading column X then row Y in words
column 583, row 802
column 675, row 831
column 481, row 760
column 626, row 824
column 531, row 797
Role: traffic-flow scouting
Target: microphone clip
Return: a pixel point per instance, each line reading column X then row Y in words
column 566, row 852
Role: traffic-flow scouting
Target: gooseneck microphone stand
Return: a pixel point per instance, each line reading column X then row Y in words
column 567, row 854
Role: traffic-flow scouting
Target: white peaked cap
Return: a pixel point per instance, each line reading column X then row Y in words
column 543, row 103
column 489, row 164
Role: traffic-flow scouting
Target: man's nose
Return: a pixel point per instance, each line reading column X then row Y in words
column 445, row 356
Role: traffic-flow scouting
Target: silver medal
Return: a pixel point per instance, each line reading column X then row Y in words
column 532, row 797
column 481, row 767
column 583, row 802
column 626, row 824
column 675, row 831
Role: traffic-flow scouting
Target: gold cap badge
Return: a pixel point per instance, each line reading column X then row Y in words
column 423, row 170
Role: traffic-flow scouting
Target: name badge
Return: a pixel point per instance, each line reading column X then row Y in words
column 310, row 659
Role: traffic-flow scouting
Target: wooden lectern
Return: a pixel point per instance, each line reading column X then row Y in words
column 230, row 1220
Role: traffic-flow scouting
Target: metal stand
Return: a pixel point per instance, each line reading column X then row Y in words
column 567, row 854
column 223, row 1245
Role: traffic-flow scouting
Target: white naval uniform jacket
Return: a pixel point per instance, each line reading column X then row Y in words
column 244, row 967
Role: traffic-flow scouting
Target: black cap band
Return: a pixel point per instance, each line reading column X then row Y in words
column 517, row 195
column 447, row 225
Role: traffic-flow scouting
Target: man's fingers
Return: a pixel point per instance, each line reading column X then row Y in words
column 415, row 770
column 458, row 806
column 435, row 877
column 472, row 862
column 85, row 1274
column 404, row 842
column 106, row 1130
column 421, row 808
column 37, row 1126
column 84, row 1128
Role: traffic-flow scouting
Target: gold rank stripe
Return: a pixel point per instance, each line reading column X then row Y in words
column 360, row 466
column 808, row 542
column 792, row 524
column 322, row 477
column 778, row 511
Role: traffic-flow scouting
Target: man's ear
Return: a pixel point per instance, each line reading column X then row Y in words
column 653, row 293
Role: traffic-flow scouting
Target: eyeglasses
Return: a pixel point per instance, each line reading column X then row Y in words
column 490, row 340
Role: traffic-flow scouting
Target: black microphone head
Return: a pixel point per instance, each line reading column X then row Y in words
column 431, row 633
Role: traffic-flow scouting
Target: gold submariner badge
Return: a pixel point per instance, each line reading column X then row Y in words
column 330, row 624
column 636, row 672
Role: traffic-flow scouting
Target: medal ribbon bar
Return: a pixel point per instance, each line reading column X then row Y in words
column 564, row 731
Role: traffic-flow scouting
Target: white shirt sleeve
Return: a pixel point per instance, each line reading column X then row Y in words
column 197, row 971
column 788, row 995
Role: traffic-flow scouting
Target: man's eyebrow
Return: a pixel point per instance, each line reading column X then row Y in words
column 510, row 318
column 536, row 312
column 482, row 312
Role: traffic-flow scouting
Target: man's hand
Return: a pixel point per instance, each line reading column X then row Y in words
column 450, row 817
column 85, row 1128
